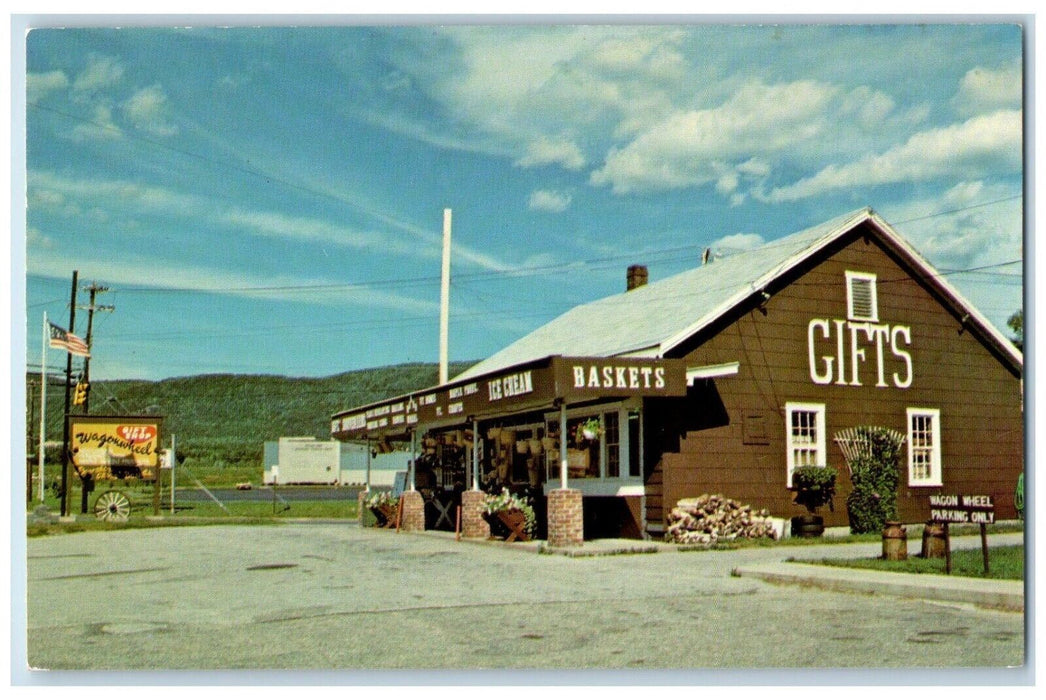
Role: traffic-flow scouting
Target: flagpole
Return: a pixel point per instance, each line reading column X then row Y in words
column 43, row 405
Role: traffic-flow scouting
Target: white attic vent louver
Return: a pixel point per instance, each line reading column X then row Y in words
column 861, row 298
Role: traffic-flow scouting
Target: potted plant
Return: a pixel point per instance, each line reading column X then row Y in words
column 588, row 430
column 814, row 487
column 384, row 506
column 513, row 513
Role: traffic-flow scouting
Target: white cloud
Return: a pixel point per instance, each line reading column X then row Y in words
column 547, row 151
column 39, row 84
column 696, row 147
column 277, row 225
column 971, row 235
column 983, row 89
column 534, row 90
column 134, row 271
column 727, row 182
column 978, row 146
column 70, row 196
column 50, row 189
column 550, row 201
column 100, row 126
column 867, row 107
column 737, row 242
column 35, row 239
column 100, row 72
column 147, row 109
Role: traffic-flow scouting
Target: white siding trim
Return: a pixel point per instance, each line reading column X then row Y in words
column 709, row 371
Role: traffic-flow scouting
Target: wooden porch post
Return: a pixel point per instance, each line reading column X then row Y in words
column 475, row 455
column 563, row 445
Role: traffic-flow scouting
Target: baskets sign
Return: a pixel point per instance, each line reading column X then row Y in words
column 978, row 510
column 531, row 386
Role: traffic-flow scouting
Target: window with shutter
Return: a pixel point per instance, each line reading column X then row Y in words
column 862, row 302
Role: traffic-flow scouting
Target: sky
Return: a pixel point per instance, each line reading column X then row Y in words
column 269, row 200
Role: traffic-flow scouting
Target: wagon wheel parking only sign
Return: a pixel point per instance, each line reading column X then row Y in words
column 950, row 508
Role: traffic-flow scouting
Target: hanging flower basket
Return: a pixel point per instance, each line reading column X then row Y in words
column 588, row 431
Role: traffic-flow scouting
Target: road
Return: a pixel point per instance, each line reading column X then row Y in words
column 314, row 596
column 264, row 493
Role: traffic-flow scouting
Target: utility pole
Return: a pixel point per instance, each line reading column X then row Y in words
column 93, row 290
column 444, row 302
column 65, row 421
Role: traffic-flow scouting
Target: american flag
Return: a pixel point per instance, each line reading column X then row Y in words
column 61, row 338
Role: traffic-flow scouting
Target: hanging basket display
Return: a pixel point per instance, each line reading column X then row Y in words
column 588, row 431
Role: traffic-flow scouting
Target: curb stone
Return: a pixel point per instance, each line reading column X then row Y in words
column 992, row 593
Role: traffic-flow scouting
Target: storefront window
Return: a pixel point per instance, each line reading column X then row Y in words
column 612, row 441
column 635, row 465
column 599, row 445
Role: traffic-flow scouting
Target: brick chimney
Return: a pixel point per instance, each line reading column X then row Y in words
column 636, row 277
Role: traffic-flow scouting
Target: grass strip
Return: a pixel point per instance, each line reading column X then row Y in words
column 1003, row 563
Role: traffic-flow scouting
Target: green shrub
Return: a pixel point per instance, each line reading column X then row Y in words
column 875, row 477
column 814, row 487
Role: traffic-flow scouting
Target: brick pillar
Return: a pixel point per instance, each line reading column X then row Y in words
column 473, row 524
column 566, row 522
column 413, row 511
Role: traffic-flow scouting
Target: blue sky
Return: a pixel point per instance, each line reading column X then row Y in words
column 269, row 199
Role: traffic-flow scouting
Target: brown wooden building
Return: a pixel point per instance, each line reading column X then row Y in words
column 766, row 356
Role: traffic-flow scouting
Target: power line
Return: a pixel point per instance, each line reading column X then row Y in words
column 959, row 210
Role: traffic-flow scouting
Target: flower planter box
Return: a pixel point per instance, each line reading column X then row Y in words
column 509, row 525
column 386, row 515
column 515, row 521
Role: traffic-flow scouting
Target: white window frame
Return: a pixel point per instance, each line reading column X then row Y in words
column 861, row 277
column 935, row 477
column 625, row 484
column 820, row 441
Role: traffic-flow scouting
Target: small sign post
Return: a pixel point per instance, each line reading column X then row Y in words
column 948, row 508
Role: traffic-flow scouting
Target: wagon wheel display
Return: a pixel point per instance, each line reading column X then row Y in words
column 112, row 506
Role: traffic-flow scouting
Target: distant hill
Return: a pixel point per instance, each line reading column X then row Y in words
column 230, row 416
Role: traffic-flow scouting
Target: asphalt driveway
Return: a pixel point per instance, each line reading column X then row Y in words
column 336, row 597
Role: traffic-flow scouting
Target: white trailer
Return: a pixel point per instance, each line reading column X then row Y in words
column 306, row 460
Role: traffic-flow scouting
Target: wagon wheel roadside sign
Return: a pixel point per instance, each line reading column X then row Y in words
column 116, row 447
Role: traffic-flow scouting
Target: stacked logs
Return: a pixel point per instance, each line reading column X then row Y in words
column 709, row 519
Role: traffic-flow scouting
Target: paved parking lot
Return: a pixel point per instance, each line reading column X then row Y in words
column 338, row 597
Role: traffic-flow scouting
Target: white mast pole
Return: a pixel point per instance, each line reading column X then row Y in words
column 444, row 302
column 174, row 465
column 43, row 405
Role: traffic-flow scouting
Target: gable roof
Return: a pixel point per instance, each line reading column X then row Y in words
column 653, row 319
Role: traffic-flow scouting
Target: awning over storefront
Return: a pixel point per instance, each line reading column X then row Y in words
column 530, row 386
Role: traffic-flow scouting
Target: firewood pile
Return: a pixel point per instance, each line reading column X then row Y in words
column 709, row 519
